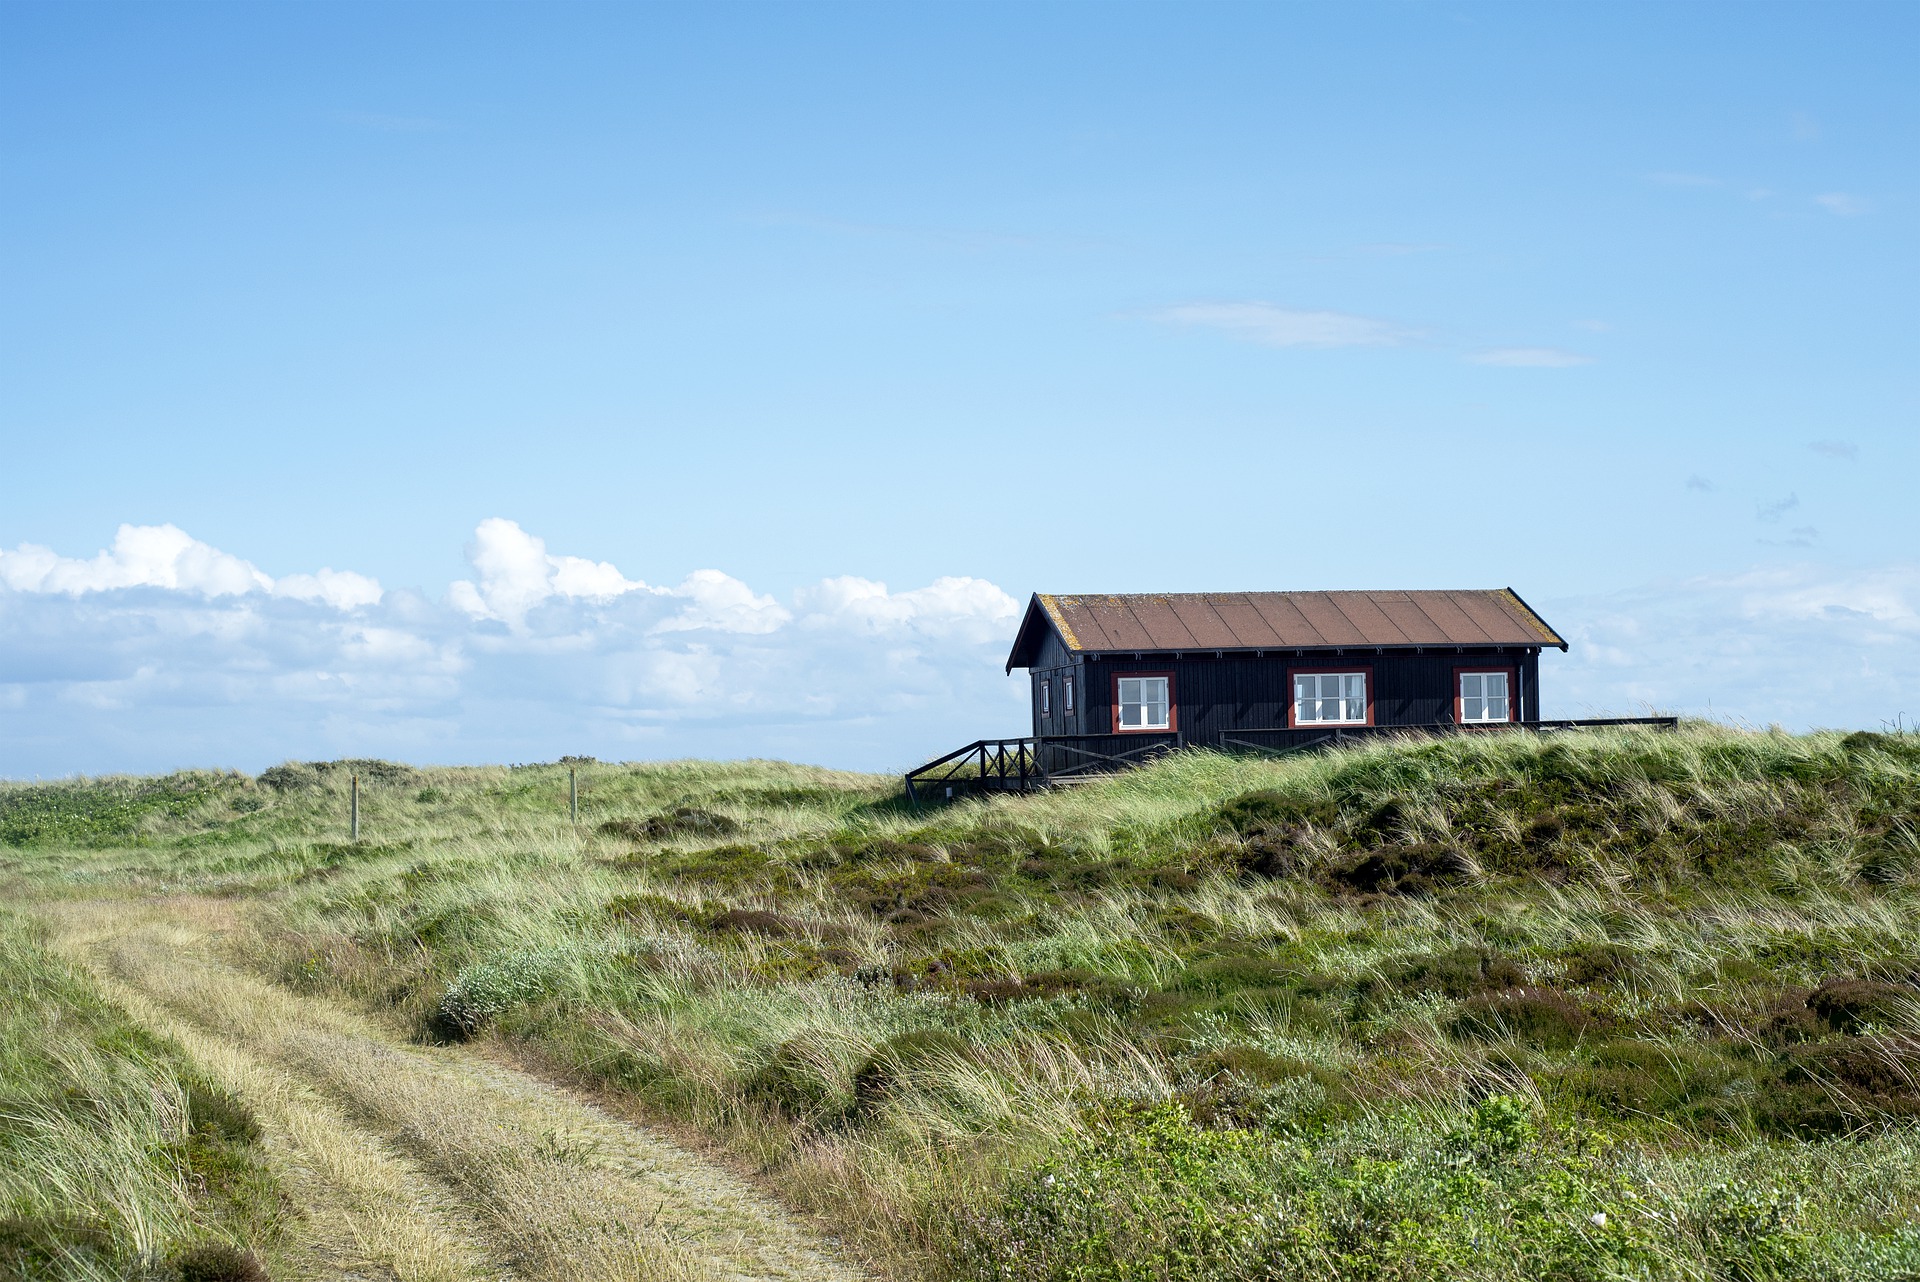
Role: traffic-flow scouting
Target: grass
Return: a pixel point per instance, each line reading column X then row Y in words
column 117, row 1157
column 1620, row 1004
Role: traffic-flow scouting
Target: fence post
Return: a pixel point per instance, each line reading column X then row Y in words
column 354, row 809
column 573, row 796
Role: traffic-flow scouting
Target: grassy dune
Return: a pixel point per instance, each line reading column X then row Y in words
column 1612, row 1005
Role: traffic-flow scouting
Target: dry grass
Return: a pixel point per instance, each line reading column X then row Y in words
column 435, row 1164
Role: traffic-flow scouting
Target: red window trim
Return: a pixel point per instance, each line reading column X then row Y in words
column 1513, row 690
column 1293, row 709
column 1173, row 706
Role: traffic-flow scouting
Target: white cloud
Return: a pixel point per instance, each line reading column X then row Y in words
column 1777, row 508
column 1273, row 326
column 1801, row 646
column 341, row 589
column 1530, row 358
column 1846, row 450
column 515, row 573
column 946, row 607
column 1844, row 205
column 169, row 653
column 165, row 556
column 721, row 603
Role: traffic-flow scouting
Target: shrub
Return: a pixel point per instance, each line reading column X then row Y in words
column 296, row 776
column 218, row 1262
column 1848, row 1005
column 481, row 993
column 51, row 1247
column 1236, row 972
column 753, row 921
column 1273, row 811
column 1460, row 972
column 1751, row 1232
column 1598, row 962
column 216, row 1113
column 809, row 1077
column 1418, row 869
column 1686, row 1082
column 1536, row 1016
column 681, row 821
column 900, row 1059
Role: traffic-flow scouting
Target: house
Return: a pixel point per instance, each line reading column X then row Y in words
column 1119, row 679
column 1205, row 668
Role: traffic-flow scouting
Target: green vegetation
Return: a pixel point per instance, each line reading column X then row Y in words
column 1611, row 1005
column 117, row 1159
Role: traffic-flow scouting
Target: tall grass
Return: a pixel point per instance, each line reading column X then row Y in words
column 115, row 1156
column 1409, row 1008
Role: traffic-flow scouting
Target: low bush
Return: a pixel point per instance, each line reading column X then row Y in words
column 483, row 992
column 898, row 1061
column 218, row 1262
column 1542, row 1017
column 1459, row 972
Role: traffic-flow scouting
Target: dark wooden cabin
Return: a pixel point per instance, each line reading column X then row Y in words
column 1275, row 669
column 1119, row 679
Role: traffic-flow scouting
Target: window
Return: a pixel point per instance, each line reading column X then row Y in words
column 1330, row 698
column 1141, row 703
column 1066, row 692
column 1046, row 697
column 1484, row 697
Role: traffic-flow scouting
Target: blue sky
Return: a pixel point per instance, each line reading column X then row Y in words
column 734, row 304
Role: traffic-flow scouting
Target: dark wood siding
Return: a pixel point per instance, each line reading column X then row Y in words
column 1051, row 663
column 1216, row 697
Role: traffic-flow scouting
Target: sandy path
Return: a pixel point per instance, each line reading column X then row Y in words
column 429, row 1162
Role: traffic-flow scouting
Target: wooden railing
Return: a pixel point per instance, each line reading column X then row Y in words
column 1016, row 765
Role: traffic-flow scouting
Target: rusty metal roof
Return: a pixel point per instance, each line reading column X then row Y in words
column 1142, row 621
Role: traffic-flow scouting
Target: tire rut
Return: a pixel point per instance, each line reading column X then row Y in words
column 523, row 1178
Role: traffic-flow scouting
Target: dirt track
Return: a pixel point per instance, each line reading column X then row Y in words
column 431, row 1163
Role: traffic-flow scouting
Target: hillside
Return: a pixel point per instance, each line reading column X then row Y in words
column 1604, row 1005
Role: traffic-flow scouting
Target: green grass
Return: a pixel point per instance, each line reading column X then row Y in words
column 117, row 1159
column 1615, row 1004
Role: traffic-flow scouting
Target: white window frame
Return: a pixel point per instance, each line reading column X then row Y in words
column 1066, row 696
column 1121, row 703
column 1342, row 695
column 1505, row 697
column 1046, row 697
